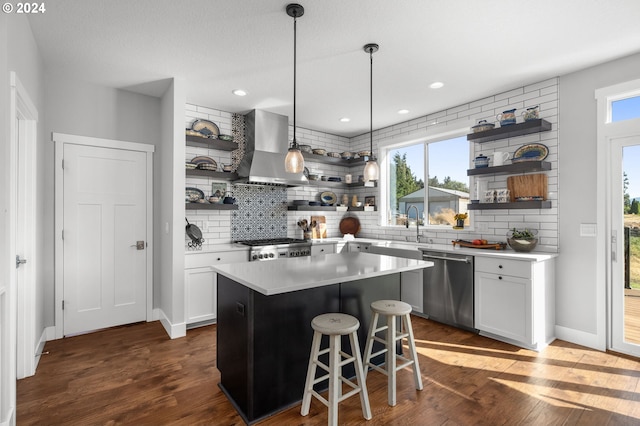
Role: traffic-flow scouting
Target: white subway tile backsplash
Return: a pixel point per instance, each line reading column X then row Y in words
column 494, row 223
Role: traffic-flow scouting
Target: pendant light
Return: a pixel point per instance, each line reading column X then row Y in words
column 294, row 161
column 371, row 169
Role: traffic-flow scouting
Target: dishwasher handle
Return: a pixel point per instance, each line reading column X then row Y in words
column 455, row 259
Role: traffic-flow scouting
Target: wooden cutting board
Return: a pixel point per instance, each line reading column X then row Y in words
column 320, row 230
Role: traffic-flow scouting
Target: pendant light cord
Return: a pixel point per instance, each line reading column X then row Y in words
column 371, row 98
column 295, row 23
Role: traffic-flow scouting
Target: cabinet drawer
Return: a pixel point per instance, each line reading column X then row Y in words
column 318, row 249
column 200, row 260
column 502, row 266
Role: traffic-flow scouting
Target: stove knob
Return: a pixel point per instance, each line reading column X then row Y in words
column 254, row 257
column 260, row 256
column 294, row 253
column 271, row 255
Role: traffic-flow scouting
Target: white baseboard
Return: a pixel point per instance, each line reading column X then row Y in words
column 578, row 337
column 173, row 330
column 49, row 333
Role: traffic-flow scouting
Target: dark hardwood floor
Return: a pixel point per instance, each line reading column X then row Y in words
column 137, row 375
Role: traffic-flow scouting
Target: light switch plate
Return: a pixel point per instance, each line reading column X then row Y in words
column 587, row 229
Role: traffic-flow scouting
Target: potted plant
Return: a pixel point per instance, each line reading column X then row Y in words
column 523, row 240
column 460, row 218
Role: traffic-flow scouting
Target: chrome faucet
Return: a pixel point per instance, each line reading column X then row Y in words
column 417, row 221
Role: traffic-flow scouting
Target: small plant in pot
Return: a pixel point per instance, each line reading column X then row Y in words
column 523, row 240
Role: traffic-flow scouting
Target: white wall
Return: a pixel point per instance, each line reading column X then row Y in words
column 170, row 211
column 576, row 278
column 24, row 58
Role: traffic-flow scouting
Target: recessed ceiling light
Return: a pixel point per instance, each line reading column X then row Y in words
column 345, row 119
column 436, row 85
column 239, row 92
column 403, row 111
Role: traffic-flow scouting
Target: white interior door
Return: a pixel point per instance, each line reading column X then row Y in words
column 625, row 259
column 104, row 237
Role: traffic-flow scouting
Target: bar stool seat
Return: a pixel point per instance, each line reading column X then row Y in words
column 391, row 309
column 335, row 325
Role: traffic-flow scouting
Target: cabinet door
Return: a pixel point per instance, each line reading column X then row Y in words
column 503, row 306
column 200, row 295
column 411, row 289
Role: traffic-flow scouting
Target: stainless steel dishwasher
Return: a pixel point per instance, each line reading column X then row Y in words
column 448, row 289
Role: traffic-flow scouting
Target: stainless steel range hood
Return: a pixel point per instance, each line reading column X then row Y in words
column 267, row 141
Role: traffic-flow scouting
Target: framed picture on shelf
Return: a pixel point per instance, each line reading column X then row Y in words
column 370, row 200
column 218, row 189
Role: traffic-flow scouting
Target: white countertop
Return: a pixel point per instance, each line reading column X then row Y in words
column 300, row 273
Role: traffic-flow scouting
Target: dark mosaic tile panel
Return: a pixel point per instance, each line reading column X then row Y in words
column 262, row 212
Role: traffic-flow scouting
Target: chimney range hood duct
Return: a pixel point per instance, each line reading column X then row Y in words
column 267, row 136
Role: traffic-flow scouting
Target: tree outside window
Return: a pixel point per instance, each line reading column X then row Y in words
column 444, row 163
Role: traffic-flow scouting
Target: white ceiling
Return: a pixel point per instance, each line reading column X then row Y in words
column 477, row 48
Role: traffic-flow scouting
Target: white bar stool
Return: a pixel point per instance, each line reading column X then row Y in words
column 335, row 325
column 391, row 309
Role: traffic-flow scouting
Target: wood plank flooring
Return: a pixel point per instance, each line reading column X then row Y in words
column 632, row 316
column 137, row 375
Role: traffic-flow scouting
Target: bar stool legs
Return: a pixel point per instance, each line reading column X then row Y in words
column 392, row 309
column 335, row 325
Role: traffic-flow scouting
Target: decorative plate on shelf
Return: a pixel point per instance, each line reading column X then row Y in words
column 206, row 127
column 306, row 172
column 193, row 194
column 328, row 197
column 530, row 152
column 203, row 159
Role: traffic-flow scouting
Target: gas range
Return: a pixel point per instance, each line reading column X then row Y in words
column 276, row 248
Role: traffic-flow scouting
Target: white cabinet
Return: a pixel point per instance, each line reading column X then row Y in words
column 319, row 248
column 200, row 294
column 355, row 246
column 200, row 283
column 515, row 301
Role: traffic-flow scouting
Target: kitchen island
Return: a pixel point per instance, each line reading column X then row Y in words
column 264, row 319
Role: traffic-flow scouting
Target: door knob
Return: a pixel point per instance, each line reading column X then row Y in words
column 19, row 261
column 139, row 245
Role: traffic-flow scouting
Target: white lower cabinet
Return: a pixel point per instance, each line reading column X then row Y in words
column 515, row 300
column 201, row 281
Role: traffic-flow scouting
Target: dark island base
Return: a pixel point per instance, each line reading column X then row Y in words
column 263, row 342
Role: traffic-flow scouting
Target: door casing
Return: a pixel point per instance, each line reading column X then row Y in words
column 60, row 139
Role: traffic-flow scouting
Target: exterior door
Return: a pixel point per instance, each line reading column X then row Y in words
column 625, row 259
column 104, row 237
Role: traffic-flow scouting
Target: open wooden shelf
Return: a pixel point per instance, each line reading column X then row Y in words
column 520, row 167
column 211, row 174
column 516, row 205
column 209, row 206
column 510, row 131
column 210, row 143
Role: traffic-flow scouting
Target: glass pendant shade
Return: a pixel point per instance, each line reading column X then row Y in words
column 294, row 162
column 371, row 171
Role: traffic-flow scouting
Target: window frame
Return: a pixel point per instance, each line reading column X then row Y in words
column 436, row 133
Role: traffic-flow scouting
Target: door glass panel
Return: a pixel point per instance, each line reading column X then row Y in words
column 625, row 109
column 631, row 183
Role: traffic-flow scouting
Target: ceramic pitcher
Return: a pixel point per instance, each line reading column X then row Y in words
column 507, row 117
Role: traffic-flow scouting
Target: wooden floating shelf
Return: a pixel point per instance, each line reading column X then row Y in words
column 516, row 205
column 325, row 208
column 211, row 143
column 209, row 206
column 332, row 160
column 211, row 174
column 521, row 167
column 510, row 131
